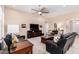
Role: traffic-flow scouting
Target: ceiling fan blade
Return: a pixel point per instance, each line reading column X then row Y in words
column 44, row 10
column 35, row 10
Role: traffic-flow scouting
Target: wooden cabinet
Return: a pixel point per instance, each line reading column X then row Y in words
column 31, row 34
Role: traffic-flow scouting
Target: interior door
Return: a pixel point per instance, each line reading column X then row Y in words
column 46, row 26
column 75, row 26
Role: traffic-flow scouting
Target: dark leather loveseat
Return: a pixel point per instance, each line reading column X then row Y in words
column 62, row 45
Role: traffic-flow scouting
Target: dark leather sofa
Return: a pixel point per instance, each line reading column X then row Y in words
column 64, row 43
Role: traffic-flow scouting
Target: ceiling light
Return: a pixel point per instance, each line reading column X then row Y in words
column 39, row 13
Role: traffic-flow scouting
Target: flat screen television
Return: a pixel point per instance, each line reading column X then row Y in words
column 34, row 27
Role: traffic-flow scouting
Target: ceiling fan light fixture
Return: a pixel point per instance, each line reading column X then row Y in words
column 41, row 10
column 39, row 13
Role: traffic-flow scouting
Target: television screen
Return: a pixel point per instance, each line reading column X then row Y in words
column 34, row 27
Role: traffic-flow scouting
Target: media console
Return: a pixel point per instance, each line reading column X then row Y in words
column 31, row 34
column 34, row 31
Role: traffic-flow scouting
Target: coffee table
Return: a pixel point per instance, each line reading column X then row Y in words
column 24, row 47
column 45, row 38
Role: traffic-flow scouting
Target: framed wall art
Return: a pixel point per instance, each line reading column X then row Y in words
column 23, row 25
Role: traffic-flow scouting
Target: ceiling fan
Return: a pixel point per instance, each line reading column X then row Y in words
column 41, row 10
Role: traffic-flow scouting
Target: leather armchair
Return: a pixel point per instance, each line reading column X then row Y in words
column 8, row 41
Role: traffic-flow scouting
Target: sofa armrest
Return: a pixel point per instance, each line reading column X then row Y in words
column 51, row 44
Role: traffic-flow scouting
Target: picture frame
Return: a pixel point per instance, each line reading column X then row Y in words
column 23, row 25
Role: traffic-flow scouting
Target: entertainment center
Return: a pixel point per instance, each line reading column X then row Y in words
column 34, row 31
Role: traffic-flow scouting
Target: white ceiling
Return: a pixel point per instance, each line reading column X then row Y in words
column 53, row 9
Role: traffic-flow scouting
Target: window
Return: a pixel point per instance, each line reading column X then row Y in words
column 1, row 22
column 13, row 28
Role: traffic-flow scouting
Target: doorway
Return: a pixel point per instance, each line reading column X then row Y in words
column 75, row 26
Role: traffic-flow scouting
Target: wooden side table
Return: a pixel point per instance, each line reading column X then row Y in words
column 45, row 38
